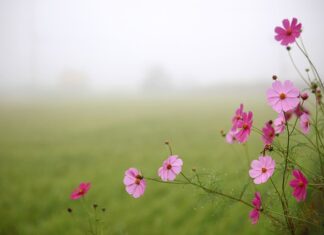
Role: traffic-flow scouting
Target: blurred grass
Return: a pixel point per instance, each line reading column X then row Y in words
column 48, row 148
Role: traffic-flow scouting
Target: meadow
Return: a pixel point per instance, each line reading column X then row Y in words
column 48, row 147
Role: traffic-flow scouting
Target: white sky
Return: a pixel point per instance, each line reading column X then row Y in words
column 116, row 42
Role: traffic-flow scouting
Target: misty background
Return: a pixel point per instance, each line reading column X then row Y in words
column 143, row 46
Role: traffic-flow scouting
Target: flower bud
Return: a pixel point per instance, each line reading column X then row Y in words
column 69, row 210
column 304, row 96
column 274, row 77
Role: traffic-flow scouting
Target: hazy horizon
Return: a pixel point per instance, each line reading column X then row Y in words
column 123, row 46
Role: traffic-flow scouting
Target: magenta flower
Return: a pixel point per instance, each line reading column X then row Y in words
column 255, row 213
column 134, row 182
column 230, row 136
column 171, row 168
column 268, row 133
column 237, row 117
column 283, row 97
column 80, row 191
column 304, row 123
column 299, row 184
column 262, row 169
column 244, row 127
column 279, row 123
column 289, row 32
column 300, row 110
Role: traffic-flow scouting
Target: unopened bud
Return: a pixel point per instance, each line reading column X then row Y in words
column 69, row 210
column 288, row 48
column 304, row 96
column 95, row 206
column 222, row 133
column 274, row 77
column 307, row 70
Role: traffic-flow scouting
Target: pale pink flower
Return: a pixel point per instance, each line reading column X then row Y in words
column 244, row 127
column 237, row 117
column 283, row 97
column 268, row 133
column 255, row 213
column 262, row 169
column 230, row 136
column 304, row 123
column 299, row 184
column 134, row 182
column 80, row 191
column 289, row 32
column 171, row 167
column 279, row 123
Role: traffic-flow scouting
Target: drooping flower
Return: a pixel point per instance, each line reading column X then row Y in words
column 80, row 191
column 280, row 123
column 255, row 213
column 171, row 167
column 262, row 169
column 289, row 32
column 268, row 133
column 300, row 110
column 283, row 97
column 230, row 136
column 244, row 127
column 304, row 96
column 304, row 123
column 134, row 182
column 237, row 117
column 299, row 184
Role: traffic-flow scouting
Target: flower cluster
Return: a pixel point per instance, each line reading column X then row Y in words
column 241, row 126
column 288, row 102
column 135, row 183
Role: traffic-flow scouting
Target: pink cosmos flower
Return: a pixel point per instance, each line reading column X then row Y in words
column 262, row 169
column 244, row 127
column 283, row 97
column 80, row 191
column 300, row 110
column 304, row 123
column 279, row 123
column 289, row 32
column 299, row 184
column 268, row 133
column 230, row 136
column 134, row 182
column 255, row 213
column 237, row 117
column 171, row 168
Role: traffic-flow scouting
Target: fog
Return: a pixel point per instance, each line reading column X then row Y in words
column 105, row 46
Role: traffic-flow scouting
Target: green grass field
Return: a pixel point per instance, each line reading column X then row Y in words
column 48, row 148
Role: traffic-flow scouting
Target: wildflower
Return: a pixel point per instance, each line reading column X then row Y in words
column 268, row 133
column 283, row 97
column 300, row 110
column 262, row 169
column 80, row 191
column 304, row 123
column 238, row 116
column 304, row 96
column 255, row 213
column 299, row 184
column 230, row 136
column 289, row 32
column 171, row 168
column 279, row 123
column 134, row 182
column 244, row 127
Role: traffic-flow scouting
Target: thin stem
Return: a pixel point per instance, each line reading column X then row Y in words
column 316, row 74
column 296, row 68
column 317, row 139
